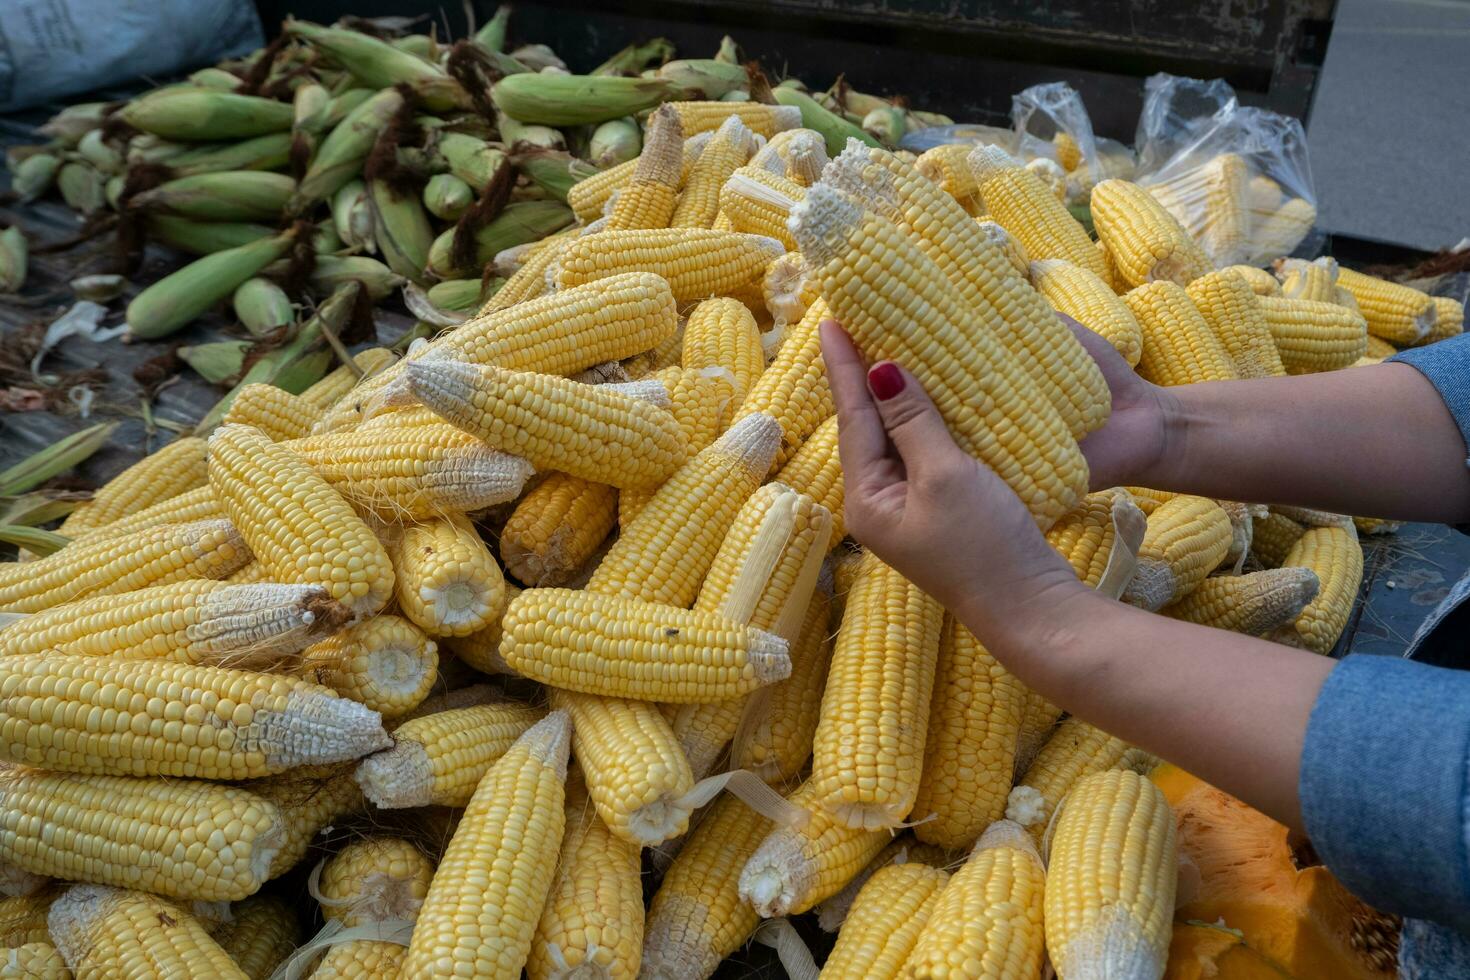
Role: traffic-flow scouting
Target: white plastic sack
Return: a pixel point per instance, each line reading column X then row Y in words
column 51, row 49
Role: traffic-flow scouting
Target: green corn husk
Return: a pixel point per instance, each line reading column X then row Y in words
column 538, row 57
column 704, row 78
column 147, row 148
column 112, row 191
column 34, row 175
column 573, row 100
column 379, row 65
column 324, row 239
column 419, row 45
column 39, row 506
column 309, row 105
column 94, row 150
column 491, row 37
column 332, row 271
column 729, row 52
column 402, row 229
column 203, row 237
column 82, row 187
column 216, row 362
column 793, row 83
column 519, row 135
column 55, row 459
column 886, row 124
column 192, row 115
column 14, row 256
column 472, row 160
column 636, row 57
column 101, row 288
column 262, row 306
column 178, row 298
column 834, row 129
column 33, row 539
column 269, row 152
column 342, row 104
column 241, row 195
column 75, row 121
column 352, row 216
column 420, row 160
column 447, row 197
column 553, row 171
column 737, row 95
column 459, row 294
column 614, row 142
column 527, row 221
column 341, row 154
column 215, row 78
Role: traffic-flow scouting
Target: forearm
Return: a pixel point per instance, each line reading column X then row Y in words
column 1230, row 709
column 1374, row 441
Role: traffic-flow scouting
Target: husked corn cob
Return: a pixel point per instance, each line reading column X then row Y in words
column 1449, row 319
column 593, row 431
column 486, row 898
column 1261, row 282
column 298, row 527
column 756, row 201
column 1380, row 349
column 1315, row 280
column 696, row 262
column 793, row 389
column 23, row 917
column 260, row 933
column 165, row 473
column 361, row 959
column 334, row 387
column 481, row 650
column 832, row 912
column 1263, row 194
column 721, row 334
column 816, row 470
column 154, row 834
column 765, row 120
column 439, row 758
column 872, row 276
column 1273, row 538
column 34, row 961
column 109, row 932
column 649, row 197
column 787, row 291
column 1313, row 336
column 588, row 198
column 153, row 718
column 277, row 413
column 969, row 752
column 1076, row 749
column 198, row 504
column 1111, row 878
column 445, row 579
column 556, row 528
column 593, row 919
column 701, row 403
column 159, row 555
column 1187, row 538
column 1086, row 535
column 1225, row 233
column 1234, row 315
column 697, row 916
column 386, row 664
column 1179, row 348
column 1280, row 231
column 885, row 921
column 795, row 868
column 1023, row 205
column 1255, row 604
column 1145, row 241
column 375, row 879
column 1333, row 553
column 1006, row 242
column 309, row 799
column 948, row 167
column 987, row 923
column 869, row 744
column 1401, row 315
column 532, row 279
column 197, row 621
column 726, row 152
column 1085, row 298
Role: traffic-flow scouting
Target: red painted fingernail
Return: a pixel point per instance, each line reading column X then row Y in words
column 885, row 379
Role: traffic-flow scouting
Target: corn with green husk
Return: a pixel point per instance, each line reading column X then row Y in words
column 82, row 187
column 401, row 228
column 834, row 129
column 553, row 171
column 341, row 155
column 14, row 256
column 75, row 121
column 218, row 361
column 202, row 237
column 614, row 142
column 574, row 100
column 379, row 65
column 352, row 216
column 215, row 78
column 491, row 36
column 538, row 58
column 472, row 160
column 34, row 175
column 518, row 224
column 447, row 197
column 95, row 149
column 309, row 105
column 705, row 78
column 269, row 152
column 331, row 271
column 262, row 306
column 521, row 136
column 459, row 295
column 887, row 124
column 241, row 195
column 178, row 298
column 633, row 59
column 193, row 114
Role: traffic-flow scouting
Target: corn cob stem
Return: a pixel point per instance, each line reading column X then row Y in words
column 386, row 664
column 446, row 579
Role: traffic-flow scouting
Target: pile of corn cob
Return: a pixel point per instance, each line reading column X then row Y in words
column 601, row 522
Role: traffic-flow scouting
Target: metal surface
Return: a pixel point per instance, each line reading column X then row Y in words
column 1405, row 576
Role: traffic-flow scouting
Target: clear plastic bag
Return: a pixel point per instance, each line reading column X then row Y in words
column 1051, row 123
column 1175, row 109
column 926, row 139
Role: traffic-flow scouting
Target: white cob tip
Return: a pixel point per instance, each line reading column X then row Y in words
column 734, row 131
column 821, row 224
column 550, row 740
column 753, row 440
column 1025, row 806
column 987, row 159
column 785, row 117
column 650, row 390
column 477, row 477
column 1006, row 833
column 399, row 778
column 318, row 727
column 770, row 657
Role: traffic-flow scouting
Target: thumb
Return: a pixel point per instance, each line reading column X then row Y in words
column 912, row 422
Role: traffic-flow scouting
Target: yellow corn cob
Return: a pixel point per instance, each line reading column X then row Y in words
column 766, row 120
column 1273, row 538
column 531, row 280
column 1145, row 241
column 1111, row 878
column 758, row 202
column 1264, row 195
column 276, row 412
column 1052, row 176
column 816, row 470
column 721, row 334
column 185, row 839
column 969, row 752
column 335, row 386
column 23, row 917
column 948, row 167
column 701, row 403
column 1069, row 154
column 987, row 924
column 33, row 961
column 696, row 262
column 983, row 278
column 885, row 921
column 587, row 198
column 1179, row 347
column 649, row 197
column 309, row 799
column 795, row 868
column 361, row 959
column 1085, row 536
column 1334, row 554
column 1234, row 315
column 483, row 905
column 108, row 932
column 1283, row 229
column 1261, row 282
column 869, row 744
column 697, row 917
column 197, row 621
column 1006, row 242
column 1085, row 298
column 872, row 276
column 1021, row 203
column 1256, row 603
column 727, row 151
column 155, row 556
column 1315, row 280
column 375, row 879
column 556, row 528
column 386, row 664
column 787, row 291
column 1401, row 315
column 260, row 933
column 152, row 718
column 1380, row 349
column 445, row 578
column 1314, row 336
column 793, row 390
column 903, row 849
column 1076, row 749
column 1224, row 233
column 198, row 504
column 799, row 154
column 172, row 470
column 1449, row 320
column 593, row 920
column 298, row 527
column 481, row 650
column 1038, row 723
column 1187, row 538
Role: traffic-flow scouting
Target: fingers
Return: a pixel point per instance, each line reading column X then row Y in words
column 1104, row 353
column 861, row 441
column 912, row 422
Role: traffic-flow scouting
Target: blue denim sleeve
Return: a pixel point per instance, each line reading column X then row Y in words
column 1384, row 780
column 1447, row 366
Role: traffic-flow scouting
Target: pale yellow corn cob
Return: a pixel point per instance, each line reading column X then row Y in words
column 1273, row 538
column 153, row 718
column 1234, row 315
column 277, row 413
column 775, row 156
column 758, row 202
column 649, row 197
column 1313, row 336
column 727, row 151
column 1449, row 319
column 787, row 291
column 987, row 924
column 185, row 839
column 260, row 933
column 1052, row 176
column 310, row 799
column 1069, row 153
column 696, row 262
column 197, row 621
column 159, row 555
column 1315, row 280
column 1020, row 202
column 1333, row 553
column 1401, row 315
column 168, row 472
column 1006, row 242
column 1283, row 229
column 483, row 905
column 386, row 664
column 1187, row 538
column 1085, row 536
column 1179, row 347
column 1038, row 723
column 1255, row 604
column 793, row 390
column 1380, row 349
column 556, row 528
column 33, row 961
column 588, row 198
column 1261, row 282
column 109, row 932
column 832, row 912
column 1111, row 878
column 885, row 921
column 23, row 917
column 532, row 279
column 1085, row 298
column 374, row 879
column 1076, row 749
column 701, row 403
column 198, row 504
column 1264, row 195
column 722, row 335
column 335, row 386
column 445, row 579
column 948, row 167
column 816, row 470
column 1225, row 232
column 361, row 959
column 766, row 120
column 970, row 749
column 1145, row 241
